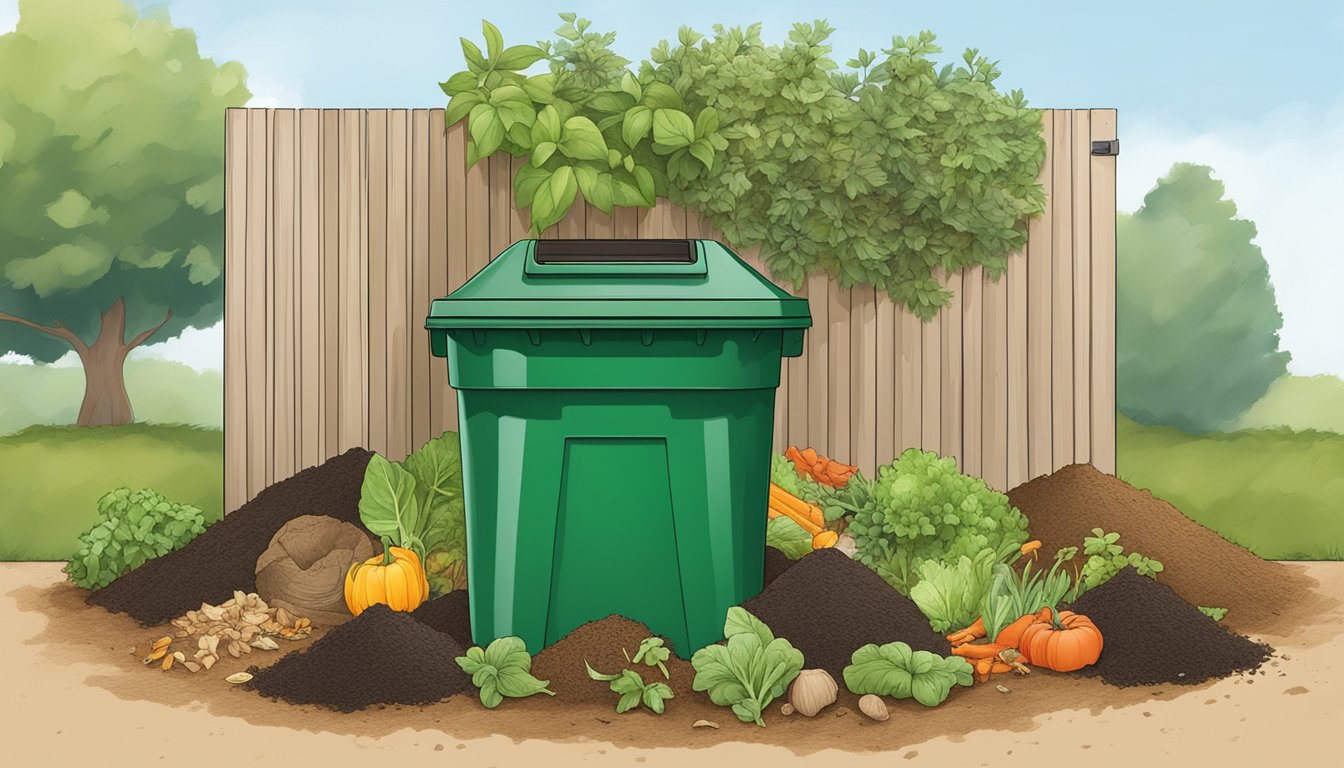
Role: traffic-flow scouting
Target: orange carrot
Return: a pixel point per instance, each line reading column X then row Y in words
column 982, row 651
column 976, row 630
column 1011, row 635
column 999, row 667
column 804, row 521
column 825, row 539
column 787, row 500
column 982, row 669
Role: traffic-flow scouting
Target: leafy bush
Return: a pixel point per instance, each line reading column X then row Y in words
column 950, row 595
column 748, row 673
column 897, row 671
column 418, row 503
column 502, row 669
column 134, row 527
column 924, row 509
column 1015, row 594
column 878, row 173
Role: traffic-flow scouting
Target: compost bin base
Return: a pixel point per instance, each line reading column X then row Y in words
column 77, row 633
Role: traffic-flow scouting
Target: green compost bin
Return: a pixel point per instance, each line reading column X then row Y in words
column 616, row 408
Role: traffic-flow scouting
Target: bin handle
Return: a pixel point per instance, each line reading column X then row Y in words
column 614, row 258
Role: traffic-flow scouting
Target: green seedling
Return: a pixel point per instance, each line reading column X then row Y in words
column 634, row 690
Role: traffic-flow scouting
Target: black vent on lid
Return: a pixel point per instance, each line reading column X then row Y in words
column 615, row 251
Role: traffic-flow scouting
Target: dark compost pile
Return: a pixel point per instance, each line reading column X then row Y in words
column 828, row 605
column 1201, row 566
column 776, row 563
column 449, row 614
column 381, row 656
column 224, row 557
column 1150, row 635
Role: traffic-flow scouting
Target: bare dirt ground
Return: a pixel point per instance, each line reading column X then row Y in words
column 75, row 693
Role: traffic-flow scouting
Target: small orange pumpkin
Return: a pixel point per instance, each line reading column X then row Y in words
column 1065, row 641
column 395, row 578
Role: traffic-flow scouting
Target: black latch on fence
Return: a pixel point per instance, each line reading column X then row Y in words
column 1106, row 148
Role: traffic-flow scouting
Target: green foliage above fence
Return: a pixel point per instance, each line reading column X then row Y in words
column 877, row 173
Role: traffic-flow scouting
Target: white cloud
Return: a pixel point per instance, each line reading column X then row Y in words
column 9, row 15
column 200, row 348
column 1283, row 171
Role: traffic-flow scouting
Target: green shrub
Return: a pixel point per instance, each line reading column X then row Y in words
column 134, row 527
column 876, row 171
column 924, row 509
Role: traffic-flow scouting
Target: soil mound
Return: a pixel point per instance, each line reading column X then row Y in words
column 600, row 643
column 449, row 614
column 828, row 605
column 1200, row 566
column 1150, row 635
column 381, row 656
column 776, row 563
column 224, row 558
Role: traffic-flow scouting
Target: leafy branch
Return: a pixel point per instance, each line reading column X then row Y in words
column 881, row 176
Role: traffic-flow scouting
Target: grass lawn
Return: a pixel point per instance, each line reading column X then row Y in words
column 1279, row 493
column 52, row 477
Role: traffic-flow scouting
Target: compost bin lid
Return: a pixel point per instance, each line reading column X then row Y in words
column 618, row 284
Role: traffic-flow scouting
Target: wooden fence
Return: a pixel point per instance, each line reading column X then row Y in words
column 342, row 225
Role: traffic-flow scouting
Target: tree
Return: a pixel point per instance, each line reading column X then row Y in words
column 1197, row 324
column 112, row 176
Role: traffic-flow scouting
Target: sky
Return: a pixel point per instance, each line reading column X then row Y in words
column 1252, row 90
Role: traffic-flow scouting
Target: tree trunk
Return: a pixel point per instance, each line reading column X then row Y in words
column 105, row 399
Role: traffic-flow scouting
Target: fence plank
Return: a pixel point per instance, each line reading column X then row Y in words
column 520, row 222
column 600, row 226
column 331, row 281
column 398, row 287
column 931, row 388
column 863, row 380
column 258, row 278
column 501, row 204
column 575, row 223
column 797, row 373
column 310, row 384
column 236, row 265
column 625, row 223
column 478, row 216
column 909, row 380
column 377, row 276
column 442, row 400
column 838, row 371
column 460, row 228
column 972, row 371
column 421, row 287
column 282, row 211
column 1103, row 287
column 887, row 406
column 1082, row 286
column 818, row 355
column 1040, row 279
column 949, row 354
column 1018, row 449
column 1062, row 290
column 994, row 451
column 354, row 294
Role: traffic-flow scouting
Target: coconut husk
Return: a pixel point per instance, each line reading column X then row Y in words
column 303, row 569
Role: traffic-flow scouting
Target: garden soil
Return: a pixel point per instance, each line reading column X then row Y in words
column 776, row 563
column 450, row 614
column 76, row 685
column 224, row 558
column 381, row 656
column 828, row 606
column 600, row 644
column 1150, row 635
column 1199, row 565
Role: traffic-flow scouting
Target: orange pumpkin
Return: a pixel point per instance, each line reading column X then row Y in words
column 395, row 578
column 1065, row 641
